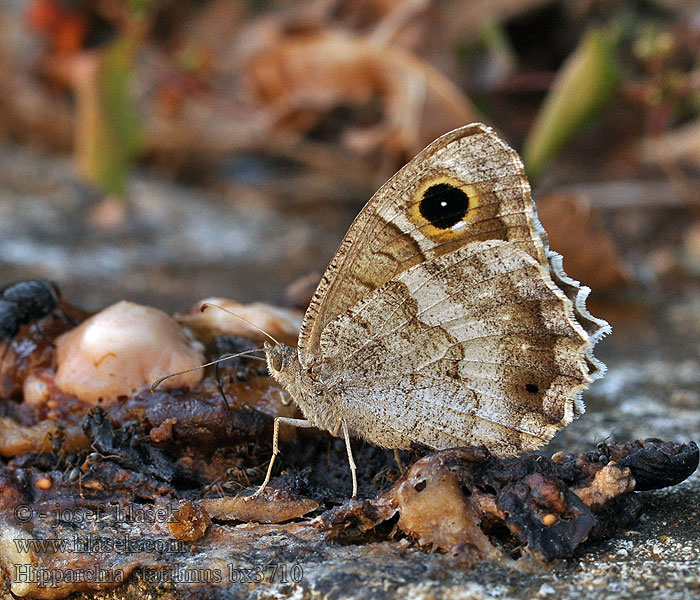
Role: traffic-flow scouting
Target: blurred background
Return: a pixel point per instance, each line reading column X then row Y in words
column 165, row 151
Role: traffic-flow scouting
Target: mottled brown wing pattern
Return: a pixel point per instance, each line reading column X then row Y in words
column 405, row 223
column 474, row 346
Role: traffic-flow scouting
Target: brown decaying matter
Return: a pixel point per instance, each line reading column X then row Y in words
column 475, row 505
column 465, row 501
column 184, row 452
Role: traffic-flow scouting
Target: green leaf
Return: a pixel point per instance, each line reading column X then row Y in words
column 112, row 135
column 584, row 85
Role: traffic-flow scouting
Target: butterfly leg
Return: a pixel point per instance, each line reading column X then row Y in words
column 275, row 448
column 353, row 467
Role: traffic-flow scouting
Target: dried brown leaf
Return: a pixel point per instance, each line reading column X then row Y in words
column 575, row 231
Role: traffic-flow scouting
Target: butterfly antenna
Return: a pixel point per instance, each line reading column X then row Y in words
column 206, row 305
column 160, row 380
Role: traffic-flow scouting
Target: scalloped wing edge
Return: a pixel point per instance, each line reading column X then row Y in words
column 595, row 328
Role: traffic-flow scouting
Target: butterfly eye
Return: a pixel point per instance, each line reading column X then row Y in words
column 276, row 360
column 444, row 205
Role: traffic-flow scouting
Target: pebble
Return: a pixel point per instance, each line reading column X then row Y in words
column 546, row 590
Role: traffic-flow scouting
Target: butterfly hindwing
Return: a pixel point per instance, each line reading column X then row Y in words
column 475, row 344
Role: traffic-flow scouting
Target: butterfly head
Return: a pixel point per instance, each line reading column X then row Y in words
column 282, row 362
column 309, row 393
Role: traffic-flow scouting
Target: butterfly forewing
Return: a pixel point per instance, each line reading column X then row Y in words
column 466, row 186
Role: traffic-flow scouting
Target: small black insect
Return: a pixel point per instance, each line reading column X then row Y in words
column 57, row 439
column 26, row 302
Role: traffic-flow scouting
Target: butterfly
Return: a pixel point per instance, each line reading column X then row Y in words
column 444, row 319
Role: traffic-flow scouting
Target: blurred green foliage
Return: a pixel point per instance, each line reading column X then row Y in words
column 583, row 87
column 117, row 138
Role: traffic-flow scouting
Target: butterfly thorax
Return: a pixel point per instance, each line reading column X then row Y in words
column 310, row 395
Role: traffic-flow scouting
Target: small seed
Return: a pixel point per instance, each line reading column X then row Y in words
column 44, row 483
column 549, row 519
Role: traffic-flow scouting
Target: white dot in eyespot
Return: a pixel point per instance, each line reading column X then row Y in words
column 443, row 204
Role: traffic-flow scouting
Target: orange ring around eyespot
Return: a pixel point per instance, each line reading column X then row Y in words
column 456, row 230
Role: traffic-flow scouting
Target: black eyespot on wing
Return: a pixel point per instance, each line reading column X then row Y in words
column 444, row 205
column 532, row 388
